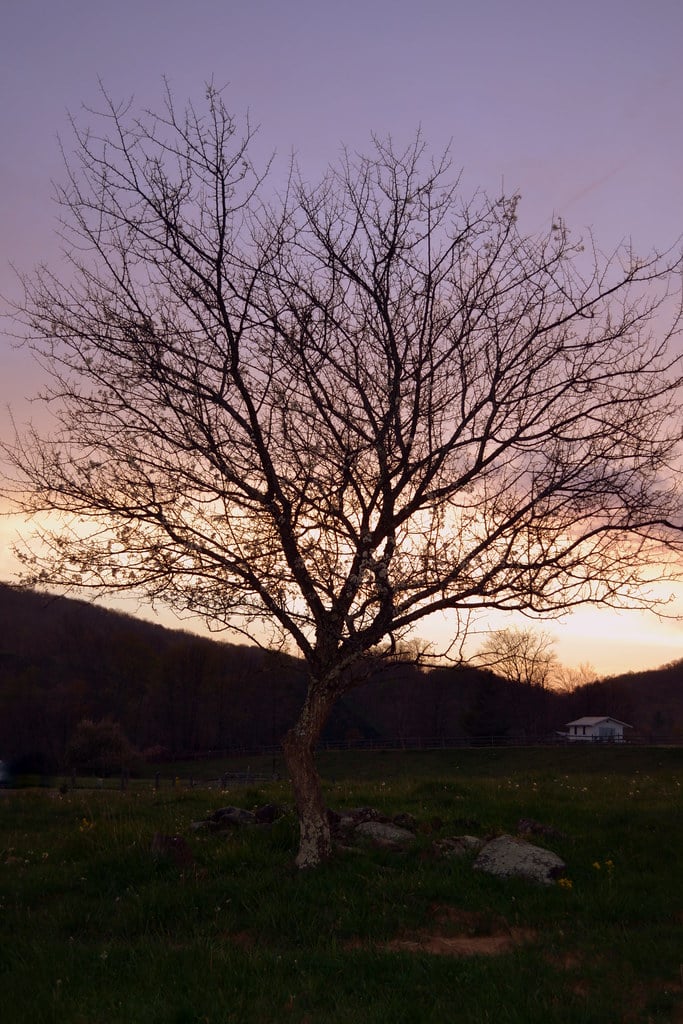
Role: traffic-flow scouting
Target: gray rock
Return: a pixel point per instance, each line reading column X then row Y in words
column 226, row 817
column 365, row 814
column 507, row 857
column 384, row 834
column 345, row 824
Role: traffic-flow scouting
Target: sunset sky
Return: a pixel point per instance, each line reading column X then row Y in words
column 578, row 106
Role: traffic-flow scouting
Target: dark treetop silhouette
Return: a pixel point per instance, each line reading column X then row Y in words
column 342, row 409
column 524, row 656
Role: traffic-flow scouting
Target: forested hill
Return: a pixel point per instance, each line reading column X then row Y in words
column 173, row 693
column 651, row 701
column 63, row 661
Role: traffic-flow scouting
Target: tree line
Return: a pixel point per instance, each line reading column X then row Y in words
column 66, row 666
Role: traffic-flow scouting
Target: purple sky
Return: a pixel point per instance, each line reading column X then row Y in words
column 578, row 106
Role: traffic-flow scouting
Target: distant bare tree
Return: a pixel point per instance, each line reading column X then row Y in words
column 342, row 410
column 567, row 678
column 521, row 655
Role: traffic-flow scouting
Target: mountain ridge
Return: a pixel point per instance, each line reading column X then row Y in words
column 64, row 660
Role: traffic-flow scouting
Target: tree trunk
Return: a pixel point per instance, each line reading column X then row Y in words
column 315, row 844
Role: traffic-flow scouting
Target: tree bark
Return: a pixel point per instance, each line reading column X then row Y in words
column 315, row 843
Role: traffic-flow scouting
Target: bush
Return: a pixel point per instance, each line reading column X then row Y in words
column 100, row 747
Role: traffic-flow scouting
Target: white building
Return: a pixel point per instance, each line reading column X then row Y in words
column 596, row 730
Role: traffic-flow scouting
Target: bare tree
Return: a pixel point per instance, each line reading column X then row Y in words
column 567, row 678
column 524, row 656
column 340, row 410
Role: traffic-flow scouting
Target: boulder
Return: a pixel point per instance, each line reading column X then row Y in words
column 268, row 813
column 227, row 817
column 343, row 825
column 359, row 814
column 507, row 857
column 233, row 817
column 385, row 834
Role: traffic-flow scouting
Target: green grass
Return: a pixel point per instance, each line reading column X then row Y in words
column 95, row 930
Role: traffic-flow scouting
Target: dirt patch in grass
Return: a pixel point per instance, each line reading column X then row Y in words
column 461, row 945
column 458, row 932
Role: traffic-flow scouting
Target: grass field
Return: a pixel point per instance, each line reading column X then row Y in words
column 94, row 929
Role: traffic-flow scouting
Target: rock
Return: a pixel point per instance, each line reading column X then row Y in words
column 267, row 814
column 457, row 846
column 344, row 825
column 385, row 834
column 227, row 817
column 360, row 814
column 507, row 857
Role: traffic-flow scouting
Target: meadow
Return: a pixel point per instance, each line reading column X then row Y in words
column 97, row 929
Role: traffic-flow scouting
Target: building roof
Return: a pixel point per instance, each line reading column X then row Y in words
column 596, row 720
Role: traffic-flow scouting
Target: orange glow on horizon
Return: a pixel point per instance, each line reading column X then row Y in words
column 612, row 642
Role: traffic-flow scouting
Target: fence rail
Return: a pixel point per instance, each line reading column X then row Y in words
column 246, row 776
column 394, row 743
